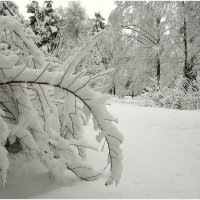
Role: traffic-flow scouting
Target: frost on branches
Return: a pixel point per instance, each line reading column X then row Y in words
column 44, row 106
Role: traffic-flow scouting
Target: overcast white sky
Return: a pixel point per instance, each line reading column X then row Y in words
column 91, row 6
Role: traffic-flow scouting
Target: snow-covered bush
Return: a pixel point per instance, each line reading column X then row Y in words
column 175, row 97
column 44, row 106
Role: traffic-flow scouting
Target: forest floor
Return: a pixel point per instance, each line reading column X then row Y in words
column 161, row 160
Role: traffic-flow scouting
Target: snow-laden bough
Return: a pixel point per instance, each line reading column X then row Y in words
column 45, row 110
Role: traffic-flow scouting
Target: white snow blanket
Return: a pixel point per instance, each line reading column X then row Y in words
column 161, row 160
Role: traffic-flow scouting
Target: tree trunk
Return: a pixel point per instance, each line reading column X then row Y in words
column 158, row 70
column 185, row 48
column 114, row 92
column 188, row 63
column 186, row 71
column 159, row 53
column 132, row 94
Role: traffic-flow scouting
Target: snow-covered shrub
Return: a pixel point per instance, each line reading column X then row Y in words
column 44, row 106
column 175, row 97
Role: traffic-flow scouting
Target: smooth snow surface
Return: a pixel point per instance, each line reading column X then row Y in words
column 161, row 160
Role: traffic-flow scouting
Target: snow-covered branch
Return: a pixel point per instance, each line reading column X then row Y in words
column 48, row 108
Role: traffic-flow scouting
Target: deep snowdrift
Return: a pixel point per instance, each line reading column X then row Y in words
column 161, row 160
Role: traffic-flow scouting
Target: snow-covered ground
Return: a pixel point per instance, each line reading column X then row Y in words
column 161, row 160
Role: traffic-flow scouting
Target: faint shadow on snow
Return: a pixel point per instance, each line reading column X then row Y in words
column 30, row 178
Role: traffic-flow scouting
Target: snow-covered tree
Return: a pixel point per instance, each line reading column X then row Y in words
column 44, row 106
column 185, row 29
column 99, row 23
column 44, row 23
column 74, row 30
column 77, row 29
column 143, row 28
column 183, row 49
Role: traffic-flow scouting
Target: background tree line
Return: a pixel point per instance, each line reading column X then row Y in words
column 152, row 46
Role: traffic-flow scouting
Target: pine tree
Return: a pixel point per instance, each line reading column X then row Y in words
column 44, row 23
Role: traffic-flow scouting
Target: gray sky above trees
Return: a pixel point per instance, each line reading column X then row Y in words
column 91, row 6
